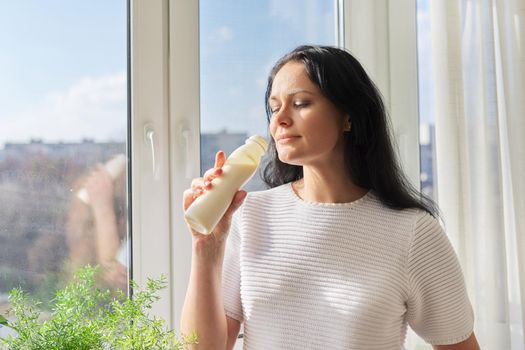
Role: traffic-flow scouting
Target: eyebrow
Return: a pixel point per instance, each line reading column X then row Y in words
column 293, row 92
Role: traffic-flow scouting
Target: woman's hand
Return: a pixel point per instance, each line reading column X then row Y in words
column 114, row 275
column 198, row 187
column 99, row 187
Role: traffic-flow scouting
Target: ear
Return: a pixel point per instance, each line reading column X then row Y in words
column 347, row 124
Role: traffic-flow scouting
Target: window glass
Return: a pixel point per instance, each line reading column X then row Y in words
column 426, row 102
column 427, row 139
column 64, row 115
column 239, row 43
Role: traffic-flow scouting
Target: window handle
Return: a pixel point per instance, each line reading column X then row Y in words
column 149, row 136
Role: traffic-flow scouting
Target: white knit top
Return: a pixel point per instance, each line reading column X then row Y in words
column 304, row 275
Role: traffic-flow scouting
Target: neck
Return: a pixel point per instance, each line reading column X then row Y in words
column 327, row 186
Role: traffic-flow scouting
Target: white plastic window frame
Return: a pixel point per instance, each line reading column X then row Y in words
column 150, row 171
column 165, row 143
column 185, row 131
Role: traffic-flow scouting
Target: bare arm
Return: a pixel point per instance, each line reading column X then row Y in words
column 233, row 332
column 470, row 344
column 100, row 188
column 203, row 309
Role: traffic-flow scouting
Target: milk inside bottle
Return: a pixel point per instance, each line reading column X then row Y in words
column 206, row 211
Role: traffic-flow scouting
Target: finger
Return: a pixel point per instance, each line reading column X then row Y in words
column 213, row 172
column 210, row 175
column 187, row 198
column 197, row 183
column 190, row 195
column 220, row 158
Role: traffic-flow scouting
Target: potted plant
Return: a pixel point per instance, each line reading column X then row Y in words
column 85, row 317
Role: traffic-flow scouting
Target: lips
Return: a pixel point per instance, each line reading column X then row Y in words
column 287, row 137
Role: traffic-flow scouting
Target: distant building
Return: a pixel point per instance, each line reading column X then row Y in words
column 87, row 151
column 227, row 142
column 213, row 142
column 428, row 160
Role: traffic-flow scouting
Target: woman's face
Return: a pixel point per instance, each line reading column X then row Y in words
column 307, row 127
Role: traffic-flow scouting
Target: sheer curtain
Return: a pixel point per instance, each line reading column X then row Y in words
column 478, row 54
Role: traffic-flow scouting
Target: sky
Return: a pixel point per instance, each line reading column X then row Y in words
column 62, row 70
column 63, row 63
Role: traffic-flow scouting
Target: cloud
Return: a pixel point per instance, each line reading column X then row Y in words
column 311, row 20
column 92, row 107
column 214, row 43
column 222, row 34
column 225, row 33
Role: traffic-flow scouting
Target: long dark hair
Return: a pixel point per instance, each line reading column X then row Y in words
column 369, row 155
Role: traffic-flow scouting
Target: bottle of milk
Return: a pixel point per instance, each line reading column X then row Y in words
column 206, row 211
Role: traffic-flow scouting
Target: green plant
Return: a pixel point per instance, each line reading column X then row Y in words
column 84, row 317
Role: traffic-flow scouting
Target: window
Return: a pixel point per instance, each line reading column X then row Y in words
column 195, row 84
column 64, row 110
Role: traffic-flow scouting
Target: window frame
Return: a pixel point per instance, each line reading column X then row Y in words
column 150, row 234
column 184, row 94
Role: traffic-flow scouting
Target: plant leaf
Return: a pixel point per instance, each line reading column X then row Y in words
column 4, row 321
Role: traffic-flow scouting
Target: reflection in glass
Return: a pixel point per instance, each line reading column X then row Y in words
column 96, row 224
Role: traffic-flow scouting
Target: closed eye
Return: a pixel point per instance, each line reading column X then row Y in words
column 301, row 104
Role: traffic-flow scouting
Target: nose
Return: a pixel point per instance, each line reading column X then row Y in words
column 283, row 117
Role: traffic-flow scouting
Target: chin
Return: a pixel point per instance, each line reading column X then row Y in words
column 290, row 161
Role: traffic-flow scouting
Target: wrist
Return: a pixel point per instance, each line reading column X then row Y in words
column 208, row 249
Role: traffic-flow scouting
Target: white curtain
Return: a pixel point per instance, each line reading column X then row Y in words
column 478, row 62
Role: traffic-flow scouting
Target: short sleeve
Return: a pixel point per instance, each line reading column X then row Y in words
column 438, row 308
column 231, row 274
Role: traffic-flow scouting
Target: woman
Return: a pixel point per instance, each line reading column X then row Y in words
column 96, row 229
column 341, row 252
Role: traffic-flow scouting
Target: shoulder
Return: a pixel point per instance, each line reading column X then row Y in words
column 429, row 241
column 426, row 225
column 409, row 218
